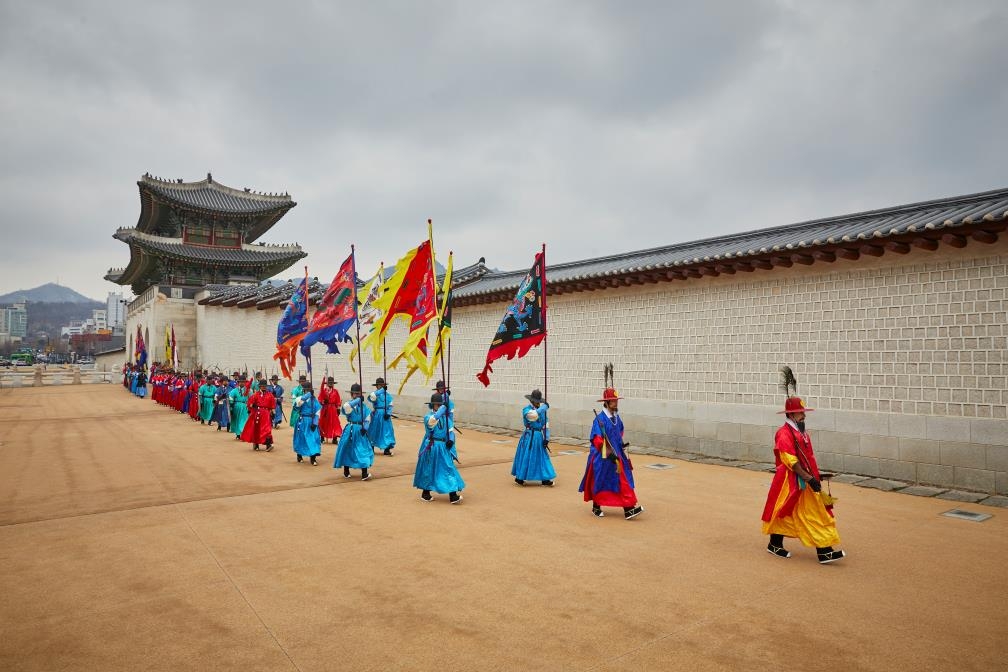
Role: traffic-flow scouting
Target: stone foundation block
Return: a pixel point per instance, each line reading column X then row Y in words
column 956, row 454
column 898, row 470
column 997, row 458
column 919, row 450
column 866, row 466
column 838, row 442
column 947, row 429
column 980, row 480
column 935, row 474
column 830, row 462
column 756, row 434
column 886, row 447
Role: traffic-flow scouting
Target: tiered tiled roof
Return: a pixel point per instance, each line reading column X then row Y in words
column 259, row 211
column 145, row 249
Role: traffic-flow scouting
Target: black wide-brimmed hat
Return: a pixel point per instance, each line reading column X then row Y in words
column 274, row 377
column 435, row 399
column 330, row 379
column 355, row 387
column 439, row 385
column 379, row 382
column 535, row 396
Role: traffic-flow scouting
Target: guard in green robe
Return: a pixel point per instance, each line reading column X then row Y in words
column 238, row 398
column 296, row 394
column 206, row 399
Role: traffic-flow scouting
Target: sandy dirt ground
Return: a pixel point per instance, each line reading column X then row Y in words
column 134, row 539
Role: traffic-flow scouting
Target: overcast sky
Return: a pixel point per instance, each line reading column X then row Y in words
column 593, row 127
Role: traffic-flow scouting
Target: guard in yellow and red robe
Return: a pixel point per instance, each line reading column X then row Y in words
column 259, row 426
column 794, row 506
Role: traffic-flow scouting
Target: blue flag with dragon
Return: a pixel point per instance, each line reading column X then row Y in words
column 524, row 323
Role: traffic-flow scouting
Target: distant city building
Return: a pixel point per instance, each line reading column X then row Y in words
column 115, row 307
column 17, row 320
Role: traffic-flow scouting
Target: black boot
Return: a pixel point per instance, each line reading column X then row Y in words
column 632, row 511
column 597, row 511
column 300, row 459
column 828, row 555
column 519, row 481
column 346, row 472
column 776, row 546
column 255, row 446
column 313, row 462
column 454, row 498
column 365, row 475
column 426, row 496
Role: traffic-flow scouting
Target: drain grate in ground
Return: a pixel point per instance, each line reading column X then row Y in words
column 658, row 465
column 569, row 452
column 962, row 514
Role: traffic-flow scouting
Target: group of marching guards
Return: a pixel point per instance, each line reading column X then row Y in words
column 795, row 506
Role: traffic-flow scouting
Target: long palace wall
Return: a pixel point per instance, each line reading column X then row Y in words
column 904, row 356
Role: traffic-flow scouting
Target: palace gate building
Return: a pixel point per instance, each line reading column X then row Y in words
column 191, row 234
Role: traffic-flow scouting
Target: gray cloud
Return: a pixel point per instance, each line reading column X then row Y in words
column 594, row 127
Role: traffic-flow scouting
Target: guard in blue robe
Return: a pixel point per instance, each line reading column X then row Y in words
column 608, row 478
column 354, row 450
column 133, row 381
column 381, row 432
column 435, row 467
column 532, row 461
column 307, row 440
column 222, row 411
column 278, row 392
column 141, row 385
column 188, row 397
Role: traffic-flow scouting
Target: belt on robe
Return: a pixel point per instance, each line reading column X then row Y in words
column 354, row 422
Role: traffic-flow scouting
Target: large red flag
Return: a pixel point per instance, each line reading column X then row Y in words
column 411, row 292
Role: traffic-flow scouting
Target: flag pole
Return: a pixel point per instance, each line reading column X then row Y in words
column 360, row 367
column 546, row 335
column 430, row 237
column 307, row 300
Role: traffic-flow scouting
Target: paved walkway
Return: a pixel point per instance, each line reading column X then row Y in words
column 134, row 539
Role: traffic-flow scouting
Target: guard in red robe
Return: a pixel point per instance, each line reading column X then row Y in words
column 259, row 426
column 180, row 393
column 796, row 506
column 194, row 387
column 329, row 424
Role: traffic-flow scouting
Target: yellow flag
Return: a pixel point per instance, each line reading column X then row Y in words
column 167, row 347
column 367, row 313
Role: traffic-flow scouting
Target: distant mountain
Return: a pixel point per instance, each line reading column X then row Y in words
column 47, row 293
